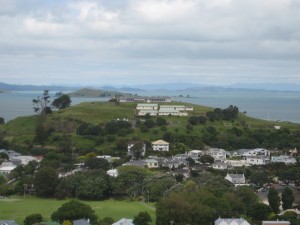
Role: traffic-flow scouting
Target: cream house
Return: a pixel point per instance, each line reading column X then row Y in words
column 160, row 145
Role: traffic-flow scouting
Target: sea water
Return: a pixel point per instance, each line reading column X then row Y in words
column 282, row 106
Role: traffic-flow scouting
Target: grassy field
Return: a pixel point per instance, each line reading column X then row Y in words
column 17, row 208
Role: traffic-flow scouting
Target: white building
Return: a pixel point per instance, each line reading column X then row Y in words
column 147, row 107
column 151, row 163
column 149, row 112
column 237, row 163
column 112, row 173
column 5, row 170
column 25, row 159
column 220, row 166
column 236, row 179
column 284, row 158
column 160, row 145
column 257, row 160
column 195, row 155
column 217, row 153
column 172, row 112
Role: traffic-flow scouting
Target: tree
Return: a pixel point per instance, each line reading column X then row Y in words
column 74, row 210
column 161, row 121
column 193, row 120
column 96, row 163
column 143, row 218
column 259, row 178
column 40, row 104
column 287, row 198
column 274, row 200
column 62, row 102
column 259, row 211
column 32, row 219
column 45, row 181
column 207, row 159
column 106, row 221
column 137, row 150
column 2, row 121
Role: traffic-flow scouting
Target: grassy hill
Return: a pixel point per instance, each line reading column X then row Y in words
column 21, row 131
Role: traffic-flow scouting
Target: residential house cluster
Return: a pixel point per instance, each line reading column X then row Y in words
column 242, row 221
column 163, row 110
column 15, row 159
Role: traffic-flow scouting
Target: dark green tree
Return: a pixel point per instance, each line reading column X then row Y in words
column 45, row 182
column 259, row 211
column 33, row 219
column 74, row 210
column 96, row 163
column 2, row 121
column 62, row 102
column 259, row 178
column 287, row 198
column 142, row 218
column 161, row 121
column 274, row 200
column 193, row 120
column 207, row 159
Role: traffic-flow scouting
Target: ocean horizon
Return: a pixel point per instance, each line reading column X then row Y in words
column 273, row 106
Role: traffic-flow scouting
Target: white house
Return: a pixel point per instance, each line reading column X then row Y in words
column 220, row 166
column 124, row 221
column 25, row 159
column 284, row 158
column 231, row 221
column 236, row 179
column 217, row 154
column 160, row 145
column 151, row 163
column 237, row 163
column 5, row 170
column 195, row 155
column 112, row 173
column 257, row 160
column 254, row 152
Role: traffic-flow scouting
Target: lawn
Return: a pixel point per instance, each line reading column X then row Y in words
column 17, row 208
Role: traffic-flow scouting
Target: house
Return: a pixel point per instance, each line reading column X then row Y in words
column 130, row 144
column 8, row 222
column 276, row 222
column 145, row 99
column 284, row 158
column 147, row 107
column 140, row 163
column 253, row 152
column 112, row 173
column 181, row 156
column 160, row 145
column 217, row 154
column 231, row 221
column 5, row 170
column 195, row 155
column 124, row 221
column 151, row 163
column 236, row 179
column 237, row 163
column 257, row 160
column 25, row 159
column 220, row 166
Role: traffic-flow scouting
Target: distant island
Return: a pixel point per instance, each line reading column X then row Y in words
column 3, row 91
column 92, row 93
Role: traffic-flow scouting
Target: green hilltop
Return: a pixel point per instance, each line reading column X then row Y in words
column 243, row 131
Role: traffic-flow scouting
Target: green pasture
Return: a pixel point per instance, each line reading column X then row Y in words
column 17, row 208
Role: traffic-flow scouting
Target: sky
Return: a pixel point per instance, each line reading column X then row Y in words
column 77, row 42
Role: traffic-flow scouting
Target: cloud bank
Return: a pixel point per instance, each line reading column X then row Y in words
column 134, row 41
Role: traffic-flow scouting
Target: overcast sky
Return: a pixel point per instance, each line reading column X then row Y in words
column 149, row 41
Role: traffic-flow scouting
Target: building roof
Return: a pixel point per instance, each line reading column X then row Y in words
column 7, row 168
column 159, row 142
column 147, row 105
column 275, row 222
column 236, row 176
column 239, row 221
column 8, row 222
column 124, row 221
column 167, row 110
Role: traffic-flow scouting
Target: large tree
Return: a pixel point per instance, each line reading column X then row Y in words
column 41, row 103
column 274, row 200
column 74, row 210
column 45, row 181
column 33, row 219
column 62, row 102
column 287, row 198
column 143, row 218
column 97, row 163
